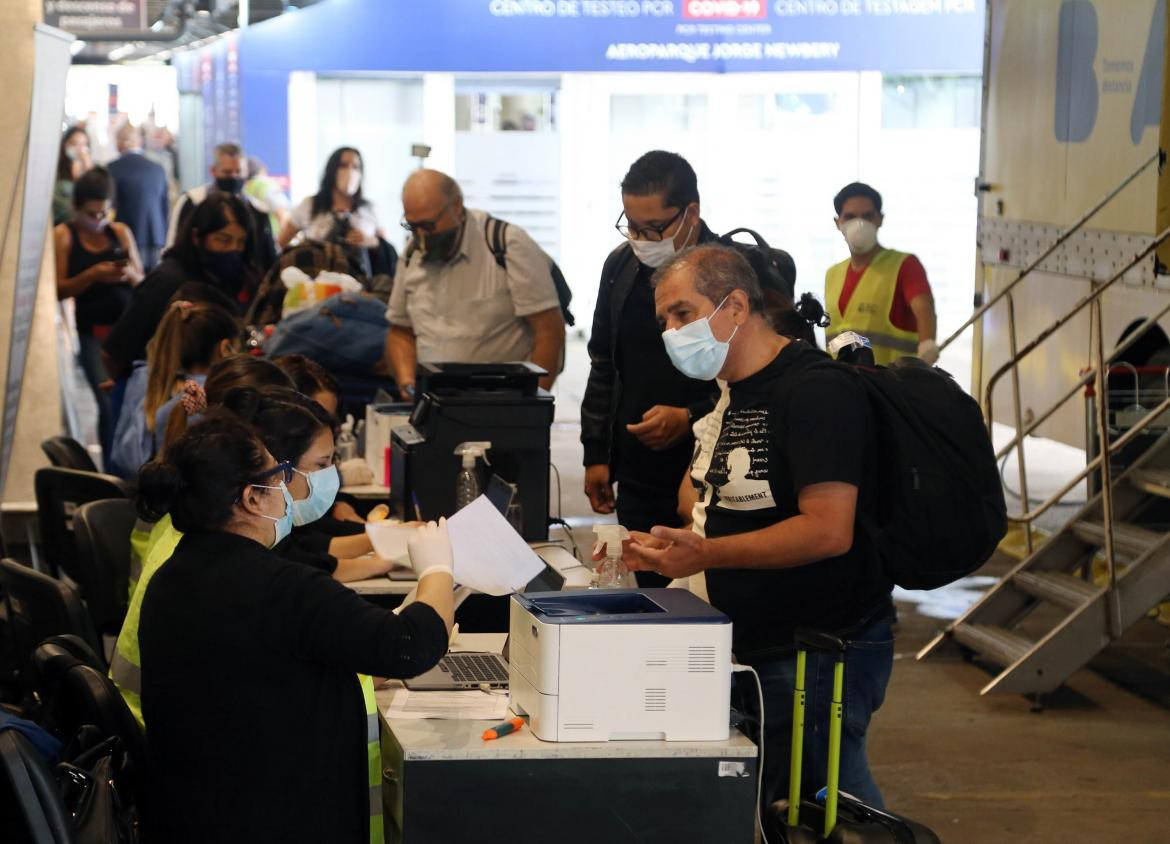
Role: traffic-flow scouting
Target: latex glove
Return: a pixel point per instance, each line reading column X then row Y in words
column 430, row 550
column 928, row 351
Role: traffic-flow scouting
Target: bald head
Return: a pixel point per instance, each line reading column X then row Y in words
column 129, row 137
column 428, row 190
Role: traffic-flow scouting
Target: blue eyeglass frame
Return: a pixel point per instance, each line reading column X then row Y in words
column 285, row 466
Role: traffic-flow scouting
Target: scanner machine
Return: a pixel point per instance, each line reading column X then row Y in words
column 603, row 664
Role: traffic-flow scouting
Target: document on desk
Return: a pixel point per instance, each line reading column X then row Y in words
column 450, row 706
column 490, row 557
column 389, row 540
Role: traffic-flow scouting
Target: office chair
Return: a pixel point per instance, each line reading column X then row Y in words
column 68, row 453
column 31, row 808
column 101, row 531
column 38, row 607
column 59, row 493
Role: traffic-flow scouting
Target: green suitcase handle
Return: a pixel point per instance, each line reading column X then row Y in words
column 807, row 640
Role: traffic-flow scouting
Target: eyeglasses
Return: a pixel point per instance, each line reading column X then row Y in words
column 425, row 226
column 284, row 469
column 653, row 231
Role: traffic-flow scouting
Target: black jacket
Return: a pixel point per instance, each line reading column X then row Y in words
column 604, row 388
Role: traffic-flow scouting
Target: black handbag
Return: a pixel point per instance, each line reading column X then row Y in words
column 89, row 788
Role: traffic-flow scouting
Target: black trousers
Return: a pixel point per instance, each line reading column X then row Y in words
column 641, row 507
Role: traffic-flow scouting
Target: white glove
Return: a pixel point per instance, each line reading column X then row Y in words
column 429, row 548
column 928, row 351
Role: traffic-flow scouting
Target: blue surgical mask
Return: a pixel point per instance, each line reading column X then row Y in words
column 323, row 486
column 284, row 523
column 693, row 349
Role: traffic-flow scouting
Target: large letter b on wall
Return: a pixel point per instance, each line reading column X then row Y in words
column 1076, row 81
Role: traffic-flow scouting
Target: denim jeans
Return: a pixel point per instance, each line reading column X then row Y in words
column 868, row 663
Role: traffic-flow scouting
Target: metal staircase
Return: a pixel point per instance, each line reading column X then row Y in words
column 1047, row 617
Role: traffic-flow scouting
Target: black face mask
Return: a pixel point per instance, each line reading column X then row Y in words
column 227, row 267
column 229, row 184
column 441, row 246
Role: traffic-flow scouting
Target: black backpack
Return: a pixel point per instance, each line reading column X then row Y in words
column 494, row 233
column 774, row 267
column 940, row 506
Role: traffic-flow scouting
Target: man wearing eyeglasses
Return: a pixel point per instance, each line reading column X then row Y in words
column 638, row 409
column 454, row 300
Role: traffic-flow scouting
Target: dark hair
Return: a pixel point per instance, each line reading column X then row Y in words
column 857, row 189
column 233, row 371
column 664, row 173
column 200, row 475
column 795, row 321
column 207, row 294
column 93, row 184
column 186, row 338
column 309, row 376
column 64, row 164
column 217, row 211
column 323, row 199
column 280, row 417
column 716, row 272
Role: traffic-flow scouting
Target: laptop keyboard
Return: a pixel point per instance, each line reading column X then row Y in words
column 475, row 668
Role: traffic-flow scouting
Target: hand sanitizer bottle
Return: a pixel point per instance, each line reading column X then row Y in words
column 611, row 571
column 467, row 481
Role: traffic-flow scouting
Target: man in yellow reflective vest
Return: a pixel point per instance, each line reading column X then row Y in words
column 880, row 293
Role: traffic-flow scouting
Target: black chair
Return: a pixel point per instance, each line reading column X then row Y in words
column 101, row 531
column 38, row 607
column 68, row 453
column 59, row 493
column 31, row 809
column 56, row 655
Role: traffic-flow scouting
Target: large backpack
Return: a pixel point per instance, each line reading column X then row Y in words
column 940, row 506
column 774, row 267
column 346, row 333
column 495, row 232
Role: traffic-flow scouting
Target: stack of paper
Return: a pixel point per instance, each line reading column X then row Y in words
column 489, row 555
column 462, row 706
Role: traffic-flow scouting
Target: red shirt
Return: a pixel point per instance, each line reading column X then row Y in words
column 912, row 283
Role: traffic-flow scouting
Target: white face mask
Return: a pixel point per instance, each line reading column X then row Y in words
column 694, row 350
column 861, row 235
column 655, row 253
column 351, row 182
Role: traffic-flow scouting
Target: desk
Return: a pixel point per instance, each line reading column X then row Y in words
column 443, row 783
column 576, row 575
column 368, row 492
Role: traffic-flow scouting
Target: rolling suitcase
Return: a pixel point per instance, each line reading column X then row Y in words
column 834, row 816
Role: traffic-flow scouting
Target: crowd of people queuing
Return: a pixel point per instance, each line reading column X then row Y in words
column 729, row 459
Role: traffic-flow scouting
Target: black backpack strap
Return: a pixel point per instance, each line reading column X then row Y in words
column 494, row 232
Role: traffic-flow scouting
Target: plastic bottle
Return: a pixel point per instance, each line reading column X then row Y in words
column 346, row 441
column 467, row 481
column 611, row 571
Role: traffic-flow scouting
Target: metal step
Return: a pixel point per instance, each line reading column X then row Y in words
column 1064, row 590
column 1128, row 539
column 996, row 644
column 1153, row 481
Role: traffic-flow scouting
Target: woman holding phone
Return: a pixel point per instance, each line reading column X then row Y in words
column 97, row 266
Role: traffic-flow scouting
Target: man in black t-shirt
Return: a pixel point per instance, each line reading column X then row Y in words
column 780, row 472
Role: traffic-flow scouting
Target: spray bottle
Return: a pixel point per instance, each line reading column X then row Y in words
column 611, row 571
column 467, row 481
column 346, row 442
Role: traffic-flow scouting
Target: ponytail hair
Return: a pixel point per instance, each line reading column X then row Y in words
column 233, row 371
column 186, row 339
column 795, row 322
column 198, row 478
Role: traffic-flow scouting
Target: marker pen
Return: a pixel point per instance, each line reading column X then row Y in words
column 500, row 730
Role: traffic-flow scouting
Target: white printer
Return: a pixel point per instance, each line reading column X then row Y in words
column 596, row 665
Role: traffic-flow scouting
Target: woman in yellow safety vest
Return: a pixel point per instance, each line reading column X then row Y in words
column 253, row 717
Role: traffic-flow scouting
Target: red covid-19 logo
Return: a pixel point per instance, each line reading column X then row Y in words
column 724, row 9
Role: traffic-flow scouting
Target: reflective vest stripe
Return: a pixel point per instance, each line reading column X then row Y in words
column 373, row 759
column 868, row 310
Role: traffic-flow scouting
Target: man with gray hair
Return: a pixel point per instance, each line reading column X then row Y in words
column 458, row 298
column 229, row 173
column 782, row 476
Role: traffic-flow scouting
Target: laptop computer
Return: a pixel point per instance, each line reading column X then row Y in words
column 462, row 671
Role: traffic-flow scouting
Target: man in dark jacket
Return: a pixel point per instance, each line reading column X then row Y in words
column 140, row 186
column 637, row 411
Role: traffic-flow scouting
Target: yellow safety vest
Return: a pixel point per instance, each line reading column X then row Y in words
column 139, row 545
column 126, row 671
column 868, row 311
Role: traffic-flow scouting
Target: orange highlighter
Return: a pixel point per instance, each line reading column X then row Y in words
column 500, row 730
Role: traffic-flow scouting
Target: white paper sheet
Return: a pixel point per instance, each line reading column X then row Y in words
column 389, row 540
column 460, row 706
column 489, row 555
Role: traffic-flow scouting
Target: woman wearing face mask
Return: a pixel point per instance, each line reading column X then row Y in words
column 255, row 719
column 73, row 160
column 212, row 247
column 97, row 265
column 338, row 211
